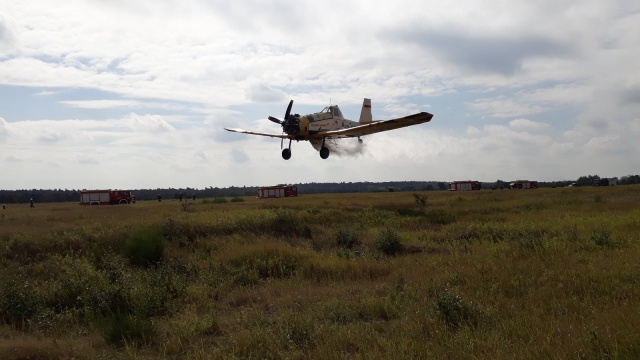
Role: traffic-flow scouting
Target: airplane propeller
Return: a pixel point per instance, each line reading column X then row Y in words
column 290, row 124
column 286, row 115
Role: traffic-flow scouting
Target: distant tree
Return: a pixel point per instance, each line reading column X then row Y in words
column 629, row 179
column 587, row 180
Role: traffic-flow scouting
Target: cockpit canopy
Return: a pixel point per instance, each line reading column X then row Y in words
column 333, row 110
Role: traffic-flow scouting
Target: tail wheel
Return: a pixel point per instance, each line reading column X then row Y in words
column 286, row 154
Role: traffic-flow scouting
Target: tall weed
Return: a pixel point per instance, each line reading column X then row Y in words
column 145, row 247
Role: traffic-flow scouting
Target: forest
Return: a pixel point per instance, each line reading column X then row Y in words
column 23, row 196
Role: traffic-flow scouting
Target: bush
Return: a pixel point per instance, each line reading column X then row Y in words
column 145, row 247
column 19, row 302
column 237, row 199
column 121, row 328
column 388, row 242
column 440, row 217
column 287, row 222
column 346, row 239
column 602, row 238
column 454, row 311
column 421, row 200
column 264, row 261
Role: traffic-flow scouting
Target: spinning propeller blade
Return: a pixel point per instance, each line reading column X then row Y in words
column 286, row 115
column 275, row 120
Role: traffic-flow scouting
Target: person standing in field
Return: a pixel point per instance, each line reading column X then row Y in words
column 31, row 206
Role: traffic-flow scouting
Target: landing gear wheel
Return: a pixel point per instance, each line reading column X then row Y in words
column 286, row 154
column 359, row 141
column 324, row 152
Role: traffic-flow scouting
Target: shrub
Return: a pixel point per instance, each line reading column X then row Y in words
column 421, row 200
column 346, row 239
column 454, row 311
column 237, row 199
column 145, row 247
column 264, row 261
column 19, row 302
column 388, row 242
column 287, row 222
column 440, row 217
column 602, row 238
column 120, row 328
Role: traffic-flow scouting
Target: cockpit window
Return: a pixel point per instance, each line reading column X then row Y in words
column 333, row 110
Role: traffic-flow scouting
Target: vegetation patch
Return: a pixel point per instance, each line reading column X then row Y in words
column 269, row 260
column 389, row 243
column 145, row 247
column 530, row 274
column 454, row 311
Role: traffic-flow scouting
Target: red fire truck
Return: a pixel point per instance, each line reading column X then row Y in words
column 277, row 192
column 464, row 185
column 105, row 197
column 523, row 184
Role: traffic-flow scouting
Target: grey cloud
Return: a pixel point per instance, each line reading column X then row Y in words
column 631, row 96
column 493, row 54
column 239, row 156
column 264, row 93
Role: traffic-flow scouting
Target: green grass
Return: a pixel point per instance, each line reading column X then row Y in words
column 547, row 273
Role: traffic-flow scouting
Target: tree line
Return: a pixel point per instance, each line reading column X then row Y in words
column 66, row 195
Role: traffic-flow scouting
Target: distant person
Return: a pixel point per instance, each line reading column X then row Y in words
column 194, row 196
column 4, row 206
column 181, row 196
column 31, row 201
column 159, row 197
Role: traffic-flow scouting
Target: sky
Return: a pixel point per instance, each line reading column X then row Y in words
column 136, row 94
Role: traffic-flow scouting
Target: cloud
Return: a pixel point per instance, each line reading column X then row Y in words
column 264, row 93
column 5, row 131
column 146, row 83
column 496, row 54
column 148, row 123
column 527, row 125
column 239, row 156
column 504, row 107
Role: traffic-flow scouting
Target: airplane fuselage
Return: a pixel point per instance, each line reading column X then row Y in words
column 329, row 119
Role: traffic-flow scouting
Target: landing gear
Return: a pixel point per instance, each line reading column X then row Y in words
column 324, row 152
column 359, row 141
column 286, row 154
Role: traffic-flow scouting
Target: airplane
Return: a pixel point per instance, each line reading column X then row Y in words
column 330, row 124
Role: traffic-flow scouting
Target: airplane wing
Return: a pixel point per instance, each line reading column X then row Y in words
column 377, row 126
column 281, row 136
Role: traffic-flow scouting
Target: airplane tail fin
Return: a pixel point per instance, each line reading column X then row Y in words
column 365, row 113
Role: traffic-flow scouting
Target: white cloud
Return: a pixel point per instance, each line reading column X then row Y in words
column 146, row 87
column 5, row 131
column 148, row 123
column 526, row 124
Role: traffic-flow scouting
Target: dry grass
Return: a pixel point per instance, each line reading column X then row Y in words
column 549, row 273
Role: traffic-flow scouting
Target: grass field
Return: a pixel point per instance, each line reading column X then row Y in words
column 506, row 274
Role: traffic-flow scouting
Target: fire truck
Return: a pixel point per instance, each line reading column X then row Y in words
column 523, row 184
column 464, row 185
column 105, row 197
column 277, row 192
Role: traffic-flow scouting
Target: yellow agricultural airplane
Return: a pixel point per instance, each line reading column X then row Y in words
column 330, row 124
